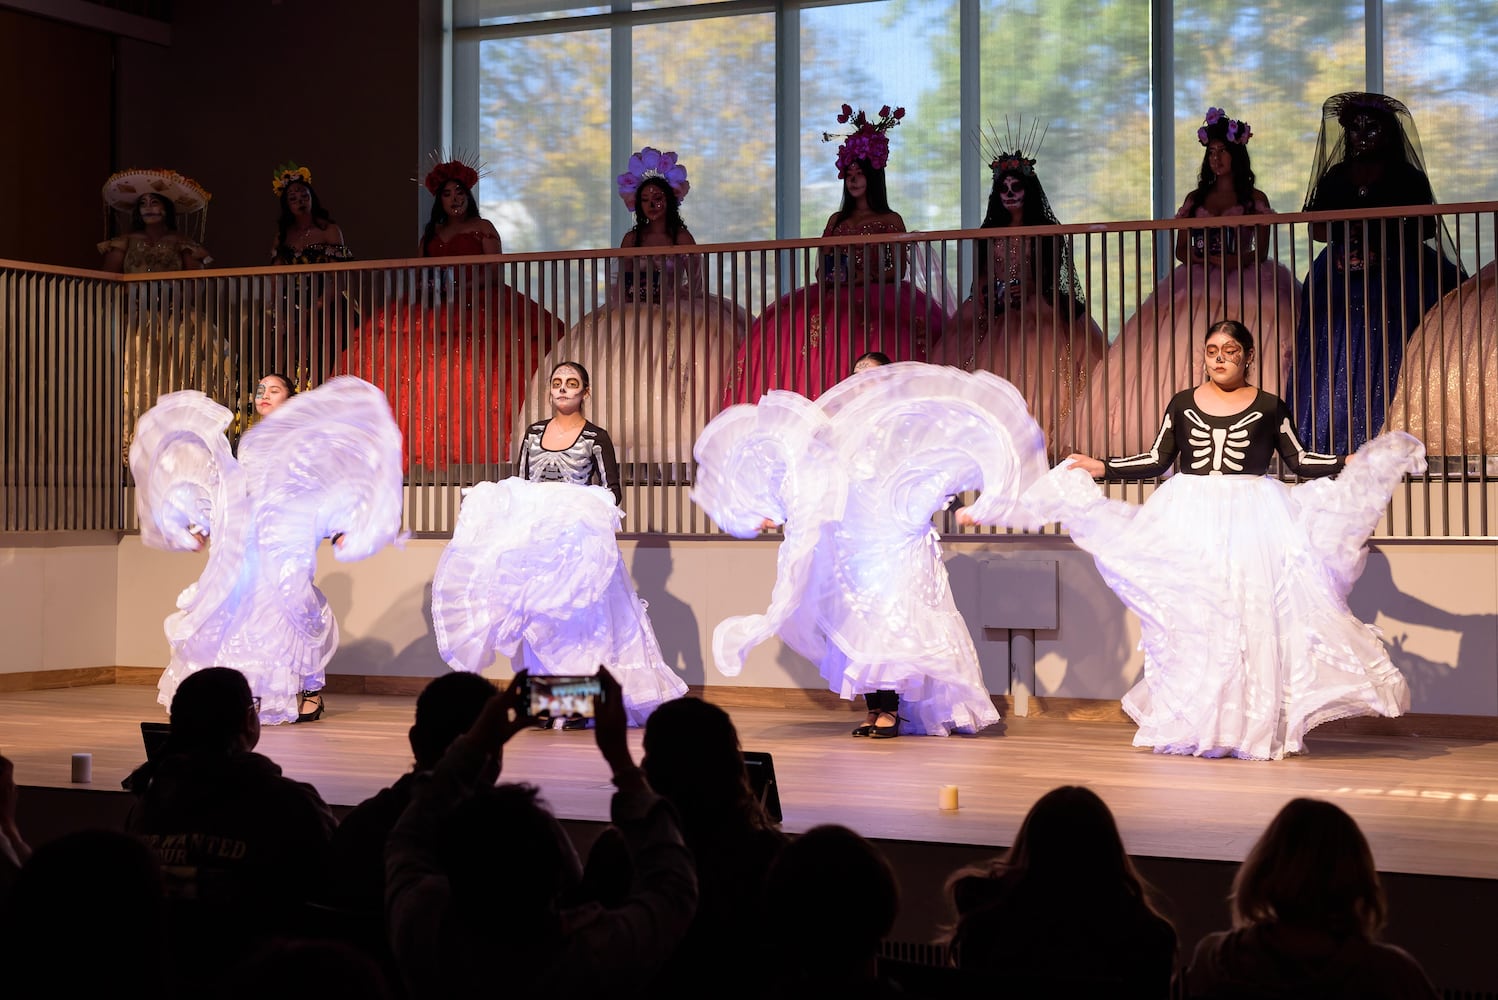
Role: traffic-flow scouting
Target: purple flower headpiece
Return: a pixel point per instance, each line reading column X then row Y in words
column 867, row 141
column 651, row 162
column 1219, row 126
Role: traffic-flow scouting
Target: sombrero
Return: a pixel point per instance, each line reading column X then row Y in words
column 125, row 188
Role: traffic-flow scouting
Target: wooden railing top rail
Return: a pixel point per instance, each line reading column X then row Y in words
column 802, row 243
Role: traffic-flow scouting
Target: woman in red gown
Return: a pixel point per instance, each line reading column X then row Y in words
column 864, row 299
column 455, row 361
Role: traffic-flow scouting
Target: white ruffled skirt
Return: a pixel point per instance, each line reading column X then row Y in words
column 533, row 570
column 1240, row 584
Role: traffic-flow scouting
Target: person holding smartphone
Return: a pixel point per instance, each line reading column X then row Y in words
column 533, row 570
column 479, row 876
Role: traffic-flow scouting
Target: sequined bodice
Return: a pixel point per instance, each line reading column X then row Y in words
column 1226, row 240
column 313, row 253
column 847, row 263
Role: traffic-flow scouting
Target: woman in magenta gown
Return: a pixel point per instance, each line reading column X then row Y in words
column 456, row 361
column 863, row 300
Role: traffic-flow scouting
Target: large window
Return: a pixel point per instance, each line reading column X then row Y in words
column 706, row 89
column 544, row 132
column 707, row 79
column 867, row 56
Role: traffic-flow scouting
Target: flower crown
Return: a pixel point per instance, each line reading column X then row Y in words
column 461, row 167
column 1008, row 156
column 286, row 173
column 1233, row 131
column 651, row 162
column 867, row 141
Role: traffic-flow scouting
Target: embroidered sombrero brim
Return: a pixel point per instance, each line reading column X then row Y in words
column 124, row 189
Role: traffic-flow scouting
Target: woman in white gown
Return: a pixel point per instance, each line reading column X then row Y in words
column 860, row 586
column 534, row 570
column 660, row 341
column 1225, row 272
column 1239, row 581
column 326, row 463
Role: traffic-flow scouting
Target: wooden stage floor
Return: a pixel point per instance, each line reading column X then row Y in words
column 1428, row 805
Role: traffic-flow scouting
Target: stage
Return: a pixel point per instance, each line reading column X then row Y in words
column 1428, row 804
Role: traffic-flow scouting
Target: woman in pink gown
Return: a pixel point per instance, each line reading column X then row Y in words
column 455, row 365
column 863, row 300
column 1225, row 272
column 1026, row 319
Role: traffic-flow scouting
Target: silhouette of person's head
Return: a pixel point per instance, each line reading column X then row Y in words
column 504, row 844
column 445, row 710
column 806, row 899
column 90, row 879
column 1069, row 835
column 1311, row 867
column 213, row 712
column 692, row 757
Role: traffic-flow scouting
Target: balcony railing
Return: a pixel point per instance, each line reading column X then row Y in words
column 1363, row 320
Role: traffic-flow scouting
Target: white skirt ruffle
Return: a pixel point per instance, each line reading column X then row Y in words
column 1240, row 584
column 535, row 567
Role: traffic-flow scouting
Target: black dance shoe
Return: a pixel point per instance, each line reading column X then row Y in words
column 315, row 697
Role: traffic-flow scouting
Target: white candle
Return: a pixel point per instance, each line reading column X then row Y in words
column 83, row 768
column 947, row 797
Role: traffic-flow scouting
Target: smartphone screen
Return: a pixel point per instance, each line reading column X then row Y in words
column 564, row 697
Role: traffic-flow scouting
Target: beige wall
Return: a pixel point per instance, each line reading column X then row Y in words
column 1437, row 605
column 57, row 602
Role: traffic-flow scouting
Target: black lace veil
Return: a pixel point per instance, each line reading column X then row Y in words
column 1402, row 154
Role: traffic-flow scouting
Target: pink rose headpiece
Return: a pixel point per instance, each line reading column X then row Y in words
column 1219, row 126
column 651, row 162
column 1007, row 156
column 867, row 141
column 465, row 168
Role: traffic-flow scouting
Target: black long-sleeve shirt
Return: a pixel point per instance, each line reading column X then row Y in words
column 588, row 461
column 1238, row 445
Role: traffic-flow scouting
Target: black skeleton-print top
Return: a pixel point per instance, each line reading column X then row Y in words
column 1237, row 445
column 588, row 461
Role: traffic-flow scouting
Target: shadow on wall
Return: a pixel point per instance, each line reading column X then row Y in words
column 1468, row 684
column 375, row 657
column 674, row 621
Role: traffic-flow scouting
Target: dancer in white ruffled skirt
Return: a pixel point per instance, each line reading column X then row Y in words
column 1240, row 581
column 325, row 463
column 533, row 568
column 860, row 586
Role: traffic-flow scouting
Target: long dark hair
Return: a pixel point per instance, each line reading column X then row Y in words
column 319, row 213
column 1067, row 841
column 1051, row 256
column 1312, row 867
column 439, row 215
column 1036, row 209
column 877, row 194
column 169, row 210
column 674, row 223
column 1243, row 168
